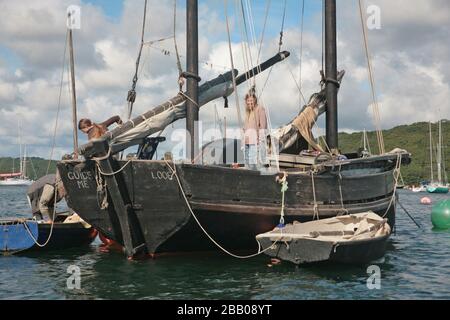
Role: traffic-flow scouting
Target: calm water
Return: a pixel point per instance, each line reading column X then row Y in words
column 416, row 266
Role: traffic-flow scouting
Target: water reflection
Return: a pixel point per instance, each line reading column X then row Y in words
column 416, row 265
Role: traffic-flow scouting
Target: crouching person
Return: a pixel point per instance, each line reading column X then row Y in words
column 44, row 194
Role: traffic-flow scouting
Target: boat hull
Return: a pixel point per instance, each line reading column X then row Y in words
column 63, row 236
column 231, row 205
column 15, row 235
column 437, row 189
column 360, row 251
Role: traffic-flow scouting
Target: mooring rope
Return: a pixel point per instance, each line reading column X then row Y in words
column 188, row 205
column 395, row 174
column 345, row 211
column 315, row 208
column 52, row 220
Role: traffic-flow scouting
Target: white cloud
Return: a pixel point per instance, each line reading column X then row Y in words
column 410, row 60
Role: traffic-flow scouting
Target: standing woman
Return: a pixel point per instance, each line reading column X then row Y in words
column 255, row 129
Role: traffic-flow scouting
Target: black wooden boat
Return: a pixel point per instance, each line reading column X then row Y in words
column 356, row 238
column 157, row 206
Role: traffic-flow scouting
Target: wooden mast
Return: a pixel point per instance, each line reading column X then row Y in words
column 332, row 84
column 74, row 97
column 192, row 78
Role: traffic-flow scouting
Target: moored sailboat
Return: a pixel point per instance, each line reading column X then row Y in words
column 156, row 206
column 20, row 178
column 439, row 185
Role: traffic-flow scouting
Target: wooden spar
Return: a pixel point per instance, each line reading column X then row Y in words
column 332, row 84
column 74, row 96
column 192, row 106
column 180, row 98
column 263, row 66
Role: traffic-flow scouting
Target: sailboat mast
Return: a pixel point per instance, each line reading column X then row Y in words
column 20, row 148
column 74, row 97
column 331, row 74
column 439, row 154
column 192, row 77
column 431, row 154
column 364, row 138
column 24, row 163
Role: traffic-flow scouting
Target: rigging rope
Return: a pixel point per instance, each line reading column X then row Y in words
column 247, row 51
column 280, row 43
column 59, row 106
column 180, row 69
column 238, row 108
column 315, row 207
column 131, row 98
column 376, row 111
column 279, row 48
column 169, row 53
column 263, row 31
column 301, row 53
column 323, row 35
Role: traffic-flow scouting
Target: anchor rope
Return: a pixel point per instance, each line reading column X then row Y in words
column 188, row 205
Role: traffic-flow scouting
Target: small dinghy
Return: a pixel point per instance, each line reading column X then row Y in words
column 354, row 238
column 15, row 235
column 18, row 235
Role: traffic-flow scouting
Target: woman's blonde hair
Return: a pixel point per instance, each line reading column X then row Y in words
column 251, row 94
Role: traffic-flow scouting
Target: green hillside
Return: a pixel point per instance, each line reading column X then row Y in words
column 36, row 167
column 414, row 138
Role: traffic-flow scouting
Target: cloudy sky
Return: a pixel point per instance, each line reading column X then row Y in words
column 410, row 60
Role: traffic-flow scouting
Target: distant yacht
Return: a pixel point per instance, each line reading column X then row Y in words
column 421, row 188
column 440, row 185
column 16, row 182
column 19, row 178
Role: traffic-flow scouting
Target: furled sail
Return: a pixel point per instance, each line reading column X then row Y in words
column 301, row 126
column 134, row 131
column 221, row 86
